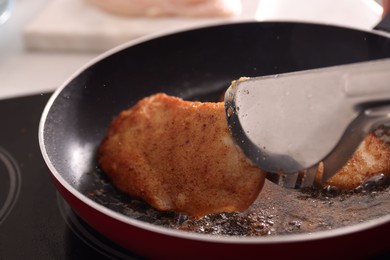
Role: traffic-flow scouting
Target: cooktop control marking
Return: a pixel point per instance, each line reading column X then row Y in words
column 10, row 183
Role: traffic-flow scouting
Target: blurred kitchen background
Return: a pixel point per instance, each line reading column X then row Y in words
column 43, row 42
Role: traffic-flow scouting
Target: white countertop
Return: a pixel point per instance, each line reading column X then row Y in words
column 25, row 70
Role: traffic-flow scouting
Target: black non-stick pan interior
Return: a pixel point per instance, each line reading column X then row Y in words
column 196, row 65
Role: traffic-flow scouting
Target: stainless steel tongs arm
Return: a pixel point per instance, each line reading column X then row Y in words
column 369, row 120
column 290, row 122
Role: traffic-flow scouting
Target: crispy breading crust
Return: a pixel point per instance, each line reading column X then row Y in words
column 179, row 156
column 371, row 158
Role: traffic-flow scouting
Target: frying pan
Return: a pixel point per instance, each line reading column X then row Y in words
column 197, row 63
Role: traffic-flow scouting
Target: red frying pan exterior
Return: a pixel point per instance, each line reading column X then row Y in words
column 195, row 64
column 360, row 242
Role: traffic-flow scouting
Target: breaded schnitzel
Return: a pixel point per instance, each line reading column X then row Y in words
column 179, row 156
column 371, row 158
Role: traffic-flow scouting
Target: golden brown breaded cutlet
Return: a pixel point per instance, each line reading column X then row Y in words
column 371, row 158
column 179, row 156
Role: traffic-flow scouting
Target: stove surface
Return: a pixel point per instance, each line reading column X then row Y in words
column 35, row 222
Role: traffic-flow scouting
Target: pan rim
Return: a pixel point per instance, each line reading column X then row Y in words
column 277, row 239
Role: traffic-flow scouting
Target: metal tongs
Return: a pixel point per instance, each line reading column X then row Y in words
column 288, row 123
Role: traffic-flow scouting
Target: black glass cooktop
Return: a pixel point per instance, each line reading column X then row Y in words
column 35, row 222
